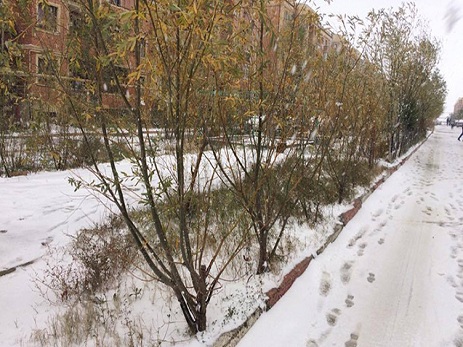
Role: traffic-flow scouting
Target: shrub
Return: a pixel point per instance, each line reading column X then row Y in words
column 99, row 256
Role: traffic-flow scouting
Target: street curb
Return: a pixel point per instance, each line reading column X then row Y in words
column 232, row 338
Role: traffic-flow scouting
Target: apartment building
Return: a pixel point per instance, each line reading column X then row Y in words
column 41, row 32
column 284, row 14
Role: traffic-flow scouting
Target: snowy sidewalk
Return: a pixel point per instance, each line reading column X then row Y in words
column 394, row 275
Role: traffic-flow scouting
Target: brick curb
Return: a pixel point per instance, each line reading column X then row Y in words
column 231, row 338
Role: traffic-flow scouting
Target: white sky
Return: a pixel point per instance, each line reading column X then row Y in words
column 440, row 15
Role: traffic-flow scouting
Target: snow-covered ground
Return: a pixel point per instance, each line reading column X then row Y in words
column 394, row 277
column 35, row 211
column 391, row 279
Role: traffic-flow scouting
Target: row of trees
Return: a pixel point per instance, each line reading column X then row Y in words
column 264, row 126
column 407, row 58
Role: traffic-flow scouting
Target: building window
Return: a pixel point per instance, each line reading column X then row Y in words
column 142, row 47
column 116, row 2
column 75, row 21
column 109, row 80
column 46, row 67
column 78, row 74
column 47, row 17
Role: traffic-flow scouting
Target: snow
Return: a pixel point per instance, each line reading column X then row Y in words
column 37, row 210
column 392, row 278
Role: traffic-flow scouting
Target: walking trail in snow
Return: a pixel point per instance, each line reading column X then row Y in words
column 394, row 277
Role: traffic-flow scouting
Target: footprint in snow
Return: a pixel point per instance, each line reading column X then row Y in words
column 371, row 277
column 361, row 249
column 375, row 230
column 349, row 301
column 451, row 281
column 378, row 213
column 325, row 284
column 383, row 223
column 381, row 241
column 357, row 237
column 428, row 210
column 312, row 343
column 410, row 192
column 353, row 340
column 332, row 317
column 460, row 320
column 346, row 272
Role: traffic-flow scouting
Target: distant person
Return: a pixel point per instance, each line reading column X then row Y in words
column 459, row 137
column 448, row 121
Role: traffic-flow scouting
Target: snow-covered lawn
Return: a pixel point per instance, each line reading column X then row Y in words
column 36, row 211
column 391, row 279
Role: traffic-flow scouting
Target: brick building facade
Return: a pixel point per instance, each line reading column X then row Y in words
column 42, row 30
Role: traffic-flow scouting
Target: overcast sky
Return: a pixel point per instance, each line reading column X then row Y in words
column 445, row 21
